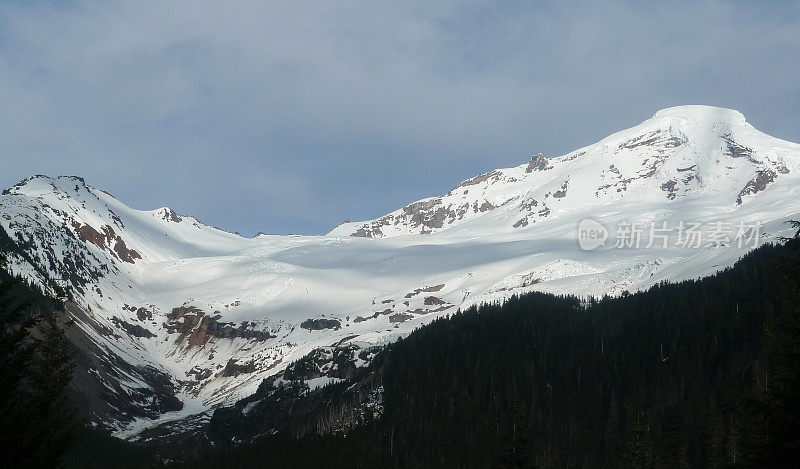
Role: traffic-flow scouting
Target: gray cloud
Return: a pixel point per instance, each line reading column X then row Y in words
column 289, row 117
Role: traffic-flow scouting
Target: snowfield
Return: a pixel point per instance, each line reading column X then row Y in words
column 215, row 313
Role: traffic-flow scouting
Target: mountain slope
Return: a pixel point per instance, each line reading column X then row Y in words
column 176, row 317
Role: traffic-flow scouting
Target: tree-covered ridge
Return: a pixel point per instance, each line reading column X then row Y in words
column 677, row 376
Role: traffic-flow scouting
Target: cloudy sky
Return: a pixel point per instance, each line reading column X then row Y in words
column 288, row 117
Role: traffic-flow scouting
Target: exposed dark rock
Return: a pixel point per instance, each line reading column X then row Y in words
column 235, row 369
column 346, row 339
column 669, row 188
column 736, row 150
column 538, row 163
column 321, row 324
column 494, row 175
column 199, row 374
column 96, row 386
column 373, row 229
column 170, row 215
column 191, row 317
column 432, row 300
column 143, row 314
column 400, row 317
column 87, row 233
column 431, row 289
column 757, row 184
column 104, row 241
column 528, row 204
column 197, row 328
column 573, row 156
column 484, row 207
column 132, row 329
column 422, row 214
column 659, row 138
column 127, row 255
column 430, row 214
column 561, row 193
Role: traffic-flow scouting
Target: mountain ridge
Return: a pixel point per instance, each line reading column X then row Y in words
column 176, row 318
column 721, row 131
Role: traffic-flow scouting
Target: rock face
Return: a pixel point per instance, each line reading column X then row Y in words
column 757, row 184
column 321, row 324
column 103, row 383
column 107, row 240
column 538, row 163
column 174, row 318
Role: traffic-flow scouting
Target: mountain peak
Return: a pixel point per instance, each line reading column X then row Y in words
column 681, row 153
column 699, row 113
column 41, row 184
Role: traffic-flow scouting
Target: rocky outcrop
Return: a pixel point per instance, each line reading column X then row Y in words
column 132, row 329
column 431, row 289
column 321, row 324
column 491, row 175
column 757, row 184
column 170, row 215
column 429, row 215
column 656, row 138
column 735, row 150
column 196, row 328
column 400, row 317
column 433, row 300
column 106, row 240
column 562, row 192
column 669, row 188
column 538, row 163
column 233, row 368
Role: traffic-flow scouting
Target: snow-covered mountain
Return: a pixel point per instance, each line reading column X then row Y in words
column 681, row 153
column 175, row 317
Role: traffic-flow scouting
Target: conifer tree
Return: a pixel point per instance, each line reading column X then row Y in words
column 38, row 425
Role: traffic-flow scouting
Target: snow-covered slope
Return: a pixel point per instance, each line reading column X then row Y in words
column 681, row 153
column 180, row 317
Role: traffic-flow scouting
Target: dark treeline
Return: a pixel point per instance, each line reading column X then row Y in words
column 39, row 426
column 37, row 423
column 700, row 373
